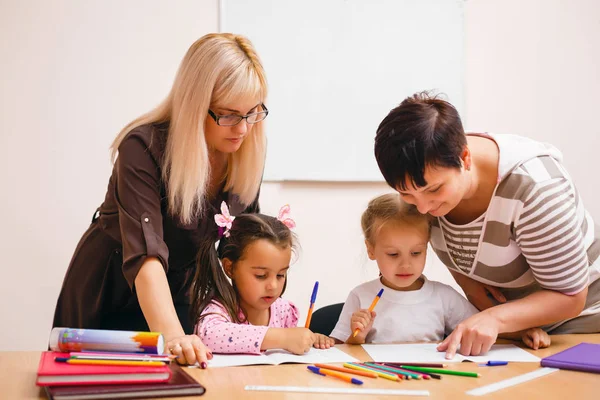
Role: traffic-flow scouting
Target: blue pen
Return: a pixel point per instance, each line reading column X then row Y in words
column 339, row 375
column 493, row 363
column 313, row 298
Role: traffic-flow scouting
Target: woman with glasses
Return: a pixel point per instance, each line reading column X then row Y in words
column 173, row 167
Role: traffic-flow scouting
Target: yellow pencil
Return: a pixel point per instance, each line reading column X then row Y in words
column 375, row 300
column 379, row 373
column 110, row 362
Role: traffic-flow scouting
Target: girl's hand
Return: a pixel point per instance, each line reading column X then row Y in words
column 363, row 321
column 482, row 296
column 475, row 336
column 189, row 349
column 536, row 338
column 299, row 340
column 323, row 342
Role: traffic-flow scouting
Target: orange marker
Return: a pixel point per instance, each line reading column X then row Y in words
column 375, row 300
column 335, row 374
column 313, row 298
column 347, row 370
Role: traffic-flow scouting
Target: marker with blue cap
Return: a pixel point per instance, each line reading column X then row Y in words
column 313, row 298
column 373, row 304
column 493, row 363
column 339, row 375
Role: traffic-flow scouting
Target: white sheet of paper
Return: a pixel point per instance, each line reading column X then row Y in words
column 427, row 353
column 278, row 356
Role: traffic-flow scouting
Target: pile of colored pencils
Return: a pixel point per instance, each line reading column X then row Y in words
column 391, row 371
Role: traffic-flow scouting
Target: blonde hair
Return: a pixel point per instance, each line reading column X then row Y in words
column 217, row 69
column 390, row 208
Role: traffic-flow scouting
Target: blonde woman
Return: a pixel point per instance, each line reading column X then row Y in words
column 173, row 166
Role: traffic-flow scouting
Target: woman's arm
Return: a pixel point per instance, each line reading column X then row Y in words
column 537, row 309
column 155, row 299
column 551, row 232
column 479, row 294
column 477, row 334
column 157, row 305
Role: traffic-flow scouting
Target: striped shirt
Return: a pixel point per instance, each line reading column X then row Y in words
column 535, row 233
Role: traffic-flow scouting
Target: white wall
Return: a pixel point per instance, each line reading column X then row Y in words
column 73, row 73
column 532, row 68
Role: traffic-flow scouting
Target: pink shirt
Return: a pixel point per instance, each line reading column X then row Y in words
column 221, row 335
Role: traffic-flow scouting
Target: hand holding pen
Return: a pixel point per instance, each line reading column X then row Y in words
column 362, row 320
column 313, row 298
column 361, row 324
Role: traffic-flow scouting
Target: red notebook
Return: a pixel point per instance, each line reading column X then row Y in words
column 181, row 384
column 52, row 373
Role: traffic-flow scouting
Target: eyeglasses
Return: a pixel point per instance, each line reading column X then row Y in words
column 234, row 119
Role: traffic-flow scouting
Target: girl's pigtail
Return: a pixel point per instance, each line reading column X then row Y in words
column 211, row 283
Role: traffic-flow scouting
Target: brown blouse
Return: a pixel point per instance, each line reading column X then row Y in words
column 131, row 225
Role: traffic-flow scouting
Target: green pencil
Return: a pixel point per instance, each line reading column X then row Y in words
column 395, row 370
column 441, row 371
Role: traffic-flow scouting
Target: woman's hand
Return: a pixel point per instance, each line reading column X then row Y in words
column 323, row 342
column 479, row 294
column 190, row 350
column 536, row 338
column 154, row 296
column 475, row 336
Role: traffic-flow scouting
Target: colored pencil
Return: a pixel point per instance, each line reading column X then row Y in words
column 313, row 298
column 441, row 371
column 121, row 357
column 430, row 374
column 430, row 365
column 371, row 307
column 395, row 370
column 401, row 376
column 335, row 374
column 381, row 374
column 110, row 362
column 347, row 370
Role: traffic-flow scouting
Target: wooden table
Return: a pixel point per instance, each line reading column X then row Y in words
column 18, row 373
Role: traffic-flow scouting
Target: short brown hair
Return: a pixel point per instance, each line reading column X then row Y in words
column 423, row 130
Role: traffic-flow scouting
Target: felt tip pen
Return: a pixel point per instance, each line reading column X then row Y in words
column 493, row 363
column 339, row 375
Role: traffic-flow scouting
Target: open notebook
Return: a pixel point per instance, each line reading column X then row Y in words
column 426, row 352
column 278, row 356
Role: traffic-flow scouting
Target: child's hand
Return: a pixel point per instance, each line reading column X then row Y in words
column 299, row 340
column 363, row 321
column 322, row 341
column 536, row 338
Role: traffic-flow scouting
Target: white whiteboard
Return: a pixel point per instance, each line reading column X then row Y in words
column 336, row 68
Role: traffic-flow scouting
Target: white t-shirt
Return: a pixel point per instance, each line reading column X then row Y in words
column 418, row 315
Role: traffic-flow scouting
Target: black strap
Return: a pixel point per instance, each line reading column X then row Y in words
column 96, row 215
